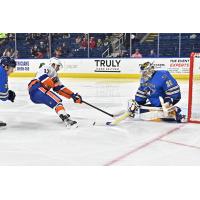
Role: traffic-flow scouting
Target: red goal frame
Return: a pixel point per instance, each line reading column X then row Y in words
column 192, row 56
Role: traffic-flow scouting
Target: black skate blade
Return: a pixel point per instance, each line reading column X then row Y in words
column 2, row 124
column 74, row 126
column 99, row 123
column 71, row 127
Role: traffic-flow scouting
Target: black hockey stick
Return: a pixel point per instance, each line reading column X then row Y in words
column 111, row 115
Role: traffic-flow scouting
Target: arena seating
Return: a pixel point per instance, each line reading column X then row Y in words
column 168, row 45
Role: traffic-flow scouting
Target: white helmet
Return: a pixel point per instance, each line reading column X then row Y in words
column 56, row 61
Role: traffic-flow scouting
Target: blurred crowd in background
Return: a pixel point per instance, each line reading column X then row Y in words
column 98, row 45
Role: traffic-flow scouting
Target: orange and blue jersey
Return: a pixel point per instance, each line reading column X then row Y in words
column 40, row 95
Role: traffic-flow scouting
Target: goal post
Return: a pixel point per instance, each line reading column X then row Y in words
column 194, row 89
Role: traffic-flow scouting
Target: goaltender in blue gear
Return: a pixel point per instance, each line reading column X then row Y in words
column 156, row 84
column 7, row 65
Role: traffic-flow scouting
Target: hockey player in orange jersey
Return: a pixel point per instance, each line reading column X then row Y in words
column 46, row 80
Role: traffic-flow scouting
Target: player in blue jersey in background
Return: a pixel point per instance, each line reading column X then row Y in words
column 7, row 65
column 156, row 86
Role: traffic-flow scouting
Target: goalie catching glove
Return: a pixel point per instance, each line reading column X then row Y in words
column 132, row 107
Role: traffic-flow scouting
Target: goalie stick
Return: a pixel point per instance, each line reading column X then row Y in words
column 119, row 119
column 154, row 114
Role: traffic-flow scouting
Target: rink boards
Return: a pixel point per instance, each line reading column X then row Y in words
column 105, row 68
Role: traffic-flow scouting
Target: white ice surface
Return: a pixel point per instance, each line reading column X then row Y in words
column 36, row 136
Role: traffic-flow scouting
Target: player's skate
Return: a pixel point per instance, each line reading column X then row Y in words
column 68, row 122
column 2, row 124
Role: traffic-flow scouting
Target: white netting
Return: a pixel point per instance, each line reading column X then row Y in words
column 195, row 89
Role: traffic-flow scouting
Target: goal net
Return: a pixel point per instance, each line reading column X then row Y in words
column 194, row 89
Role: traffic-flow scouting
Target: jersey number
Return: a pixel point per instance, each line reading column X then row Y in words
column 46, row 71
column 169, row 83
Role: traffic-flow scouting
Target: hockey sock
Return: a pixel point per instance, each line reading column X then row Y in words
column 60, row 109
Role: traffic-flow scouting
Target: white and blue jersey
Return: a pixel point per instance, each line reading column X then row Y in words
column 3, row 84
column 160, row 84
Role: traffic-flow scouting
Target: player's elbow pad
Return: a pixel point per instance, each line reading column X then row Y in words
column 172, row 101
column 176, row 99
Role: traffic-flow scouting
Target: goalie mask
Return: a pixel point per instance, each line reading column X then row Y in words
column 147, row 70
